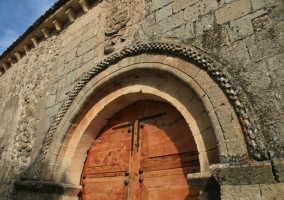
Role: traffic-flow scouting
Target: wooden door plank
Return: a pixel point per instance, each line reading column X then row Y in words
column 174, row 134
column 173, row 194
column 152, row 108
column 163, row 123
column 166, row 182
column 111, row 135
column 177, row 158
column 169, row 172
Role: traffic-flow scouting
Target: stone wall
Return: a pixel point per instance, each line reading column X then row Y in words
column 245, row 36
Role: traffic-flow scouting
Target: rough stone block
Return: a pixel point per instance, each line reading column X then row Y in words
column 71, row 77
column 204, row 24
column 279, row 169
column 203, row 122
column 88, row 35
column 209, row 139
column 235, row 56
column 257, row 4
column 192, row 13
column 236, row 147
column 164, row 13
column 182, row 4
column 195, row 107
column 157, row 4
column 229, row 121
column 275, row 69
column 50, row 101
column 72, row 44
column 86, row 46
column 61, row 94
column 232, row 11
column 185, row 31
column 88, row 56
column 270, row 191
column 171, row 22
column 245, row 192
column 266, row 43
column 259, row 72
column 85, row 68
column 240, row 28
column 243, row 174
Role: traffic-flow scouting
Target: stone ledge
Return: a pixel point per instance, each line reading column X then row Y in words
column 199, row 180
column 243, row 174
column 279, row 169
column 49, row 187
column 204, row 182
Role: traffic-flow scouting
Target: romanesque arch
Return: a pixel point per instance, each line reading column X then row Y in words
column 182, row 77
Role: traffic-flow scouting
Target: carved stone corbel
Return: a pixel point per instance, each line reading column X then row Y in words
column 35, row 41
column 18, row 55
column 84, row 5
column 70, row 14
column 12, row 60
column 27, row 48
column 5, row 66
column 1, row 71
column 46, row 32
column 58, row 25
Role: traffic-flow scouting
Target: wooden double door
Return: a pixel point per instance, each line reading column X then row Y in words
column 144, row 152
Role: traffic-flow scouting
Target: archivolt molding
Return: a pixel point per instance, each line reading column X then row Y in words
column 189, row 54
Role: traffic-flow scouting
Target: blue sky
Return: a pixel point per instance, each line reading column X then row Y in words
column 16, row 16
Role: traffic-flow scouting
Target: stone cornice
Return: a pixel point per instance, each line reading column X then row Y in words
column 61, row 13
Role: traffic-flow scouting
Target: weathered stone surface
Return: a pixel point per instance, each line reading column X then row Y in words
column 204, row 24
column 232, row 11
column 240, row 192
column 182, row 4
column 164, row 13
column 243, row 174
column 240, row 28
column 279, row 169
column 171, row 22
column 156, row 4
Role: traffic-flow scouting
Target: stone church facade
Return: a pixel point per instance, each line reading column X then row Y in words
column 217, row 63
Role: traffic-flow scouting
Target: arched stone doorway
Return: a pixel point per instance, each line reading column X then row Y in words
column 118, row 83
column 144, row 152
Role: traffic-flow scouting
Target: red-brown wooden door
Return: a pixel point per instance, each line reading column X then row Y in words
column 150, row 141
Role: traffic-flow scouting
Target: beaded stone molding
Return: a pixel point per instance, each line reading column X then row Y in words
column 189, row 54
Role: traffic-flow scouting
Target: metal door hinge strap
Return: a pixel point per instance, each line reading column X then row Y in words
column 143, row 119
column 122, row 126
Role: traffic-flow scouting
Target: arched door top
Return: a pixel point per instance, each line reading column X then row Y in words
column 189, row 67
